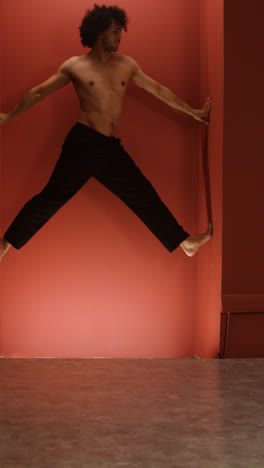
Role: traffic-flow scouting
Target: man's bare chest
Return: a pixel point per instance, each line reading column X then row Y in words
column 93, row 80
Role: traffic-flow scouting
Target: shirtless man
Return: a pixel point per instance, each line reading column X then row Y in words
column 100, row 78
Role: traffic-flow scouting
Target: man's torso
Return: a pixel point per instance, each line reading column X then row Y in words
column 101, row 90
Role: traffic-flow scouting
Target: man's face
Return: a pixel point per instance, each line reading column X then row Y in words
column 112, row 37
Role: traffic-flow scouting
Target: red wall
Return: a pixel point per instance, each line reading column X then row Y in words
column 209, row 266
column 243, row 168
column 94, row 281
column 1, row 171
column 243, row 233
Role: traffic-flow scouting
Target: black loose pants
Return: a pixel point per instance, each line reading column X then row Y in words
column 86, row 153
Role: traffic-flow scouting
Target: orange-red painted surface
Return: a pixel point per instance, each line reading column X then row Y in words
column 94, row 281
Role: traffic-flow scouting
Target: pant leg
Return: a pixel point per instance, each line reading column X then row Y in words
column 69, row 175
column 125, row 179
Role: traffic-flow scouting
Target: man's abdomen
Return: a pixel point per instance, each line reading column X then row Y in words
column 104, row 122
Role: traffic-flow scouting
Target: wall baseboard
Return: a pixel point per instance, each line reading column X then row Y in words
column 242, row 326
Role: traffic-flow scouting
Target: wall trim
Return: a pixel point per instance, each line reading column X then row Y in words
column 242, row 303
column 242, row 321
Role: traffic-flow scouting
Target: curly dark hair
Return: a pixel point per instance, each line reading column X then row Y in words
column 98, row 20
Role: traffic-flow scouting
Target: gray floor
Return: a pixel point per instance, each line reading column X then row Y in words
column 131, row 413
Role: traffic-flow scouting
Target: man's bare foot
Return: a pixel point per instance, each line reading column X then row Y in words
column 4, row 246
column 193, row 243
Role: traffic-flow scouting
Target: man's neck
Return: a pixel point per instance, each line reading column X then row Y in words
column 100, row 56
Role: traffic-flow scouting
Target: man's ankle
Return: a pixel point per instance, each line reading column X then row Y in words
column 6, row 243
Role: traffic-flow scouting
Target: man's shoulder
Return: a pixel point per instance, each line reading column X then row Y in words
column 74, row 59
column 126, row 57
column 71, row 61
column 130, row 61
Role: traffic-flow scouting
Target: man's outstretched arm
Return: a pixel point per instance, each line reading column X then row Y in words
column 32, row 97
column 164, row 94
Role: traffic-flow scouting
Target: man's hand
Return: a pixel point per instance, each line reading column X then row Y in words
column 3, row 118
column 202, row 114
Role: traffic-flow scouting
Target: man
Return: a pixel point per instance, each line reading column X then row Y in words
column 91, row 148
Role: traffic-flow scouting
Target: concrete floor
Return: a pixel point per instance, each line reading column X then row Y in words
column 147, row 413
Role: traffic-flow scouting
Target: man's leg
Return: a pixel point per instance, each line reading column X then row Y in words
column 124, row 179
column 67, row 178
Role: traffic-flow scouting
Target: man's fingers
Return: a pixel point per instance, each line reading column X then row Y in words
column 205, row 121
column 207, row 104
